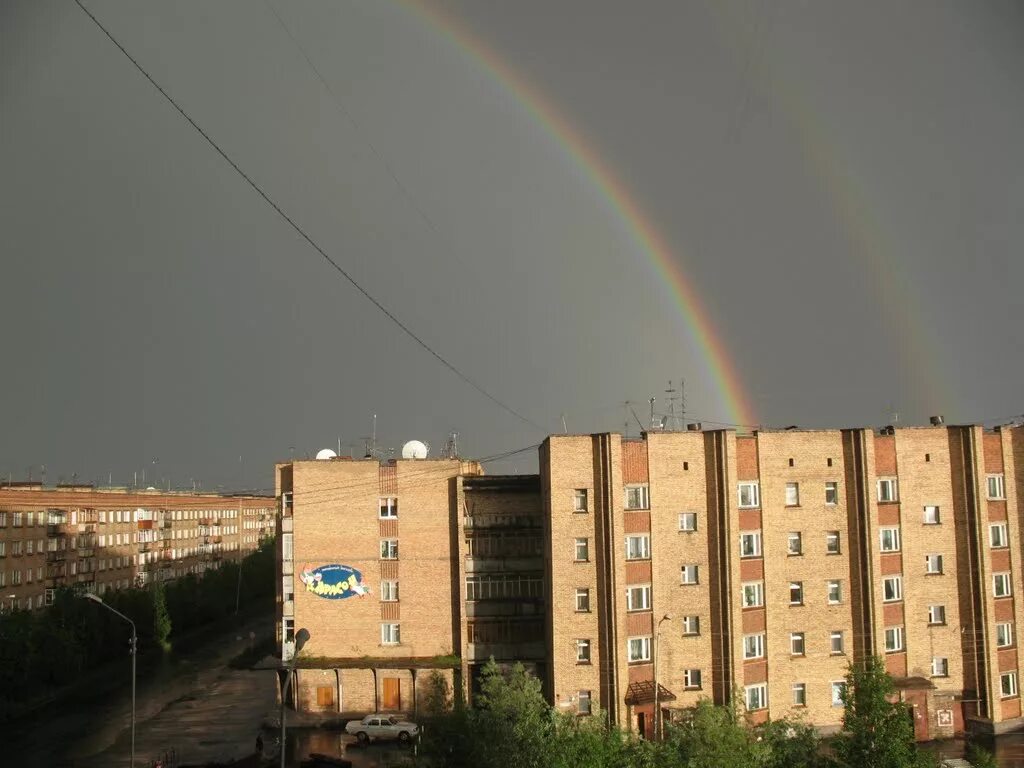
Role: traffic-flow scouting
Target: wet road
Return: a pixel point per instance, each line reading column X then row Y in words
column 194, row 704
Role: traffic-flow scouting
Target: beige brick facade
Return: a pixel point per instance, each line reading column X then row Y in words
column 760, row 565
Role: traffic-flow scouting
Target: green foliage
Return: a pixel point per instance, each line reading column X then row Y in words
column 161, row 618
column 49, row 649
column 877, row 733
column 437, row 699
column 980, row 757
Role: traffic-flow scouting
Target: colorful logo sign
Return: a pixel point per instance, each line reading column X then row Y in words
column 335, row 582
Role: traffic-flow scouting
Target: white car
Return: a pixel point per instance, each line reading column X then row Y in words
column 374, row 727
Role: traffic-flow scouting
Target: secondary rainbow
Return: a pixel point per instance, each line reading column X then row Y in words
column 619, row 200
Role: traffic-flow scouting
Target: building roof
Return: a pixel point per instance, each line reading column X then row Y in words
column 379, row 662
column 643, row 693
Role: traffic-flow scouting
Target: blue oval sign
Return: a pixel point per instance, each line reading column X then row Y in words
column 335, row 582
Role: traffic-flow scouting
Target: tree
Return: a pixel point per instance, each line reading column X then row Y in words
column 877, row 733
column 437, row 699
column 161, row 617
column 711, row 736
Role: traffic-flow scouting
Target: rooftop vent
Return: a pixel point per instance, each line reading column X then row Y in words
column 694, row 426
column 936, row 421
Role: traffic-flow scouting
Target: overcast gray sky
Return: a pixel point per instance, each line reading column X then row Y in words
column 841, row 183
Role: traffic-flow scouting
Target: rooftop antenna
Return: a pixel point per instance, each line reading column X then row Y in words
column 375, row 432
column 638, row 422
column 451, row 447
column 682, row 402
column 565, row 430
column 670, row 394
column 625, row 412
column 653, row 423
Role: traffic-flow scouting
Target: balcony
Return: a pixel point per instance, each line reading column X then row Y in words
column 57, row 529
column 166, row 524
column 56, row 556
column 86, row 552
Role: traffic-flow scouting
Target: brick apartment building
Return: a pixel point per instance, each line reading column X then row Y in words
column 108, row 538
column 756, row 566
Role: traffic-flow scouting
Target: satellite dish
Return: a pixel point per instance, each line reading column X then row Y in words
column 325, row 454
column 414, row 449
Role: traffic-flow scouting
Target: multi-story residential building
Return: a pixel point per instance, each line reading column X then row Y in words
column 106, row 538
column 641, row 574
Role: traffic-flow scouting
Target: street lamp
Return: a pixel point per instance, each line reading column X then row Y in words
column 657, row 691
column 134, row 645
column 301, row 638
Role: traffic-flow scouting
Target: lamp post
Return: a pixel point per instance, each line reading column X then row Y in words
column 657, row 691
column 134, row 646
column 301, row 637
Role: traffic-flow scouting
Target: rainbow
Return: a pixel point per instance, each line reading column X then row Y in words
column 619, row 201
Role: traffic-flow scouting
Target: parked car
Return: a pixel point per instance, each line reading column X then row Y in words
column 376, row 727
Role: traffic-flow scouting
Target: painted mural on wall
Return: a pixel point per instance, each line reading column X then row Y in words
column 335, row 582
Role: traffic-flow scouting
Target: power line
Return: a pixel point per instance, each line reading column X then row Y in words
column 256, row 187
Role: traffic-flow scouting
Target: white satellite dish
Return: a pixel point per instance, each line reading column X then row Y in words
column 414, row 449
column 325, row 454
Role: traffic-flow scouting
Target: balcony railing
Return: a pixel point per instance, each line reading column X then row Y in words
column 57, row 529
column 56, row 556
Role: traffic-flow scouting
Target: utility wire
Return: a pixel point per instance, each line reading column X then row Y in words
column 373, row 300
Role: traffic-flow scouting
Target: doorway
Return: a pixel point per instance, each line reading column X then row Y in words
column 325, row 697
column 392, row 693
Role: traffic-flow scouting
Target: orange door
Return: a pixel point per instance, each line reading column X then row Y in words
column 325, row 697
column 392, row 693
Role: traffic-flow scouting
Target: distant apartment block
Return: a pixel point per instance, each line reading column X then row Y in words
column 99, row 539
column 753, row 566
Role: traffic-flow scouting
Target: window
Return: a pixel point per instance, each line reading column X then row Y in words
column 1008, row 684
column 579, row 500
column 753, row 646
column 389, row 591
column 936, row 614
column 388, row 507
column 1004, row 635
column 639, row 649
column 583, row 702
column 390, row 634
column 691, row 625
column 756, row 696
column 582, row 651
column 796, row 593
column 691, row 679
column 687, row 521
column 831, row 494
column 637, row 497
column 582, row 550
column 792, row 494
column 799, row 694
column 389, row 549
column 933, row 563
column 638, row 598
column 1001, row 585
column 835, row 592
column 753, row 594
column 893, row 639
column 940, row 666
column 750, row 544
column 638, row 547
column 582, row 600
column 690, row 574
column 795, row 543
column 832, row 542
column 836, row 642
column 796, row 643
column 838, row 689
column 931, row 515
column 889, row 539
column 750, row 495
column 997, row 535
column 996, row 489
column 892, row 589
column 887, row 489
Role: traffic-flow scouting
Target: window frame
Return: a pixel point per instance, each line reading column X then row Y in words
column 932, row 614
column 999, row 480
column 584, row 594
column 792, row 496
column 753, row 537
column 798, row 537
column 837, row 585
column 688, row 679
column 389, row 549
column 644, row 491
column 896, row 543
column 897, row 581
column 584, row 695
column 836, row 634
column 760, row 692
column 797, row 586
column 389, row 625
column 1004, row 537
column 1011, row 677
column 583, row 650
column 584, row 542
column 898, row 644
column 688, row 631
column 754, row 489
column 389, row 505
column 757, row 639
column 934, row 557
column 838, row 688
column 645, row 546
column 389, row 590
column 684, row 569
column 687, row 516
column 1004, row 628
column 579, row 494
column 931, row 514
column 799, row 694
column 892, row 484
column 945, row 666
column 1002, row 577
column 758, row 588
column 644, row 591
column 832, row 486
column 644, row 647
column 797, row 644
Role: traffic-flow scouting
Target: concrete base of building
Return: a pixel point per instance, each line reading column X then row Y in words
column 985, row 727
